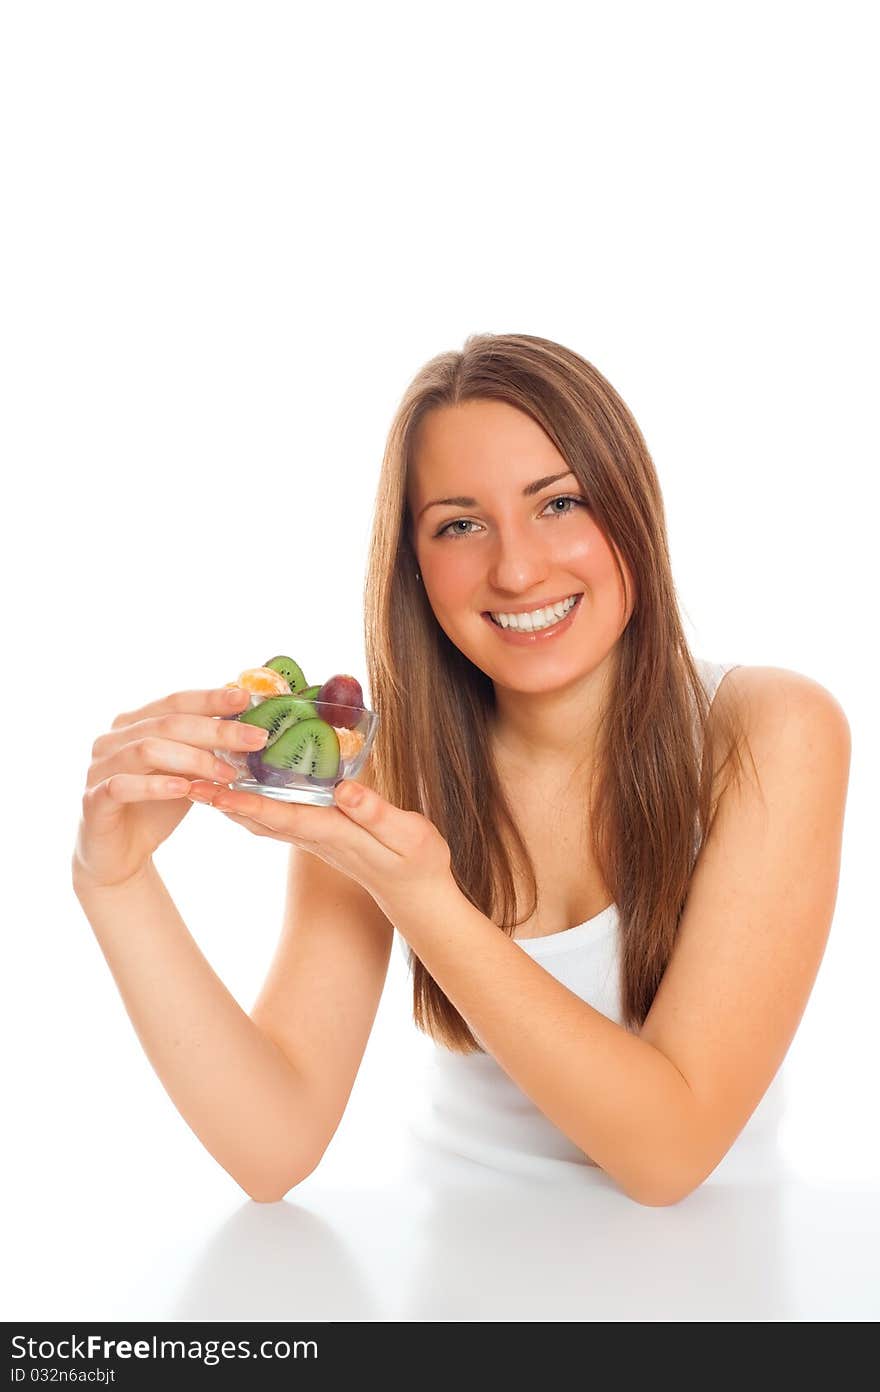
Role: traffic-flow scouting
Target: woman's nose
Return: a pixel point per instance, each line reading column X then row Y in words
column 518, row 564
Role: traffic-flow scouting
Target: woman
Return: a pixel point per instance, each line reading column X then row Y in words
column 549, row 754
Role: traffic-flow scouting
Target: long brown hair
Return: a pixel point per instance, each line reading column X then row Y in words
column 651, row 796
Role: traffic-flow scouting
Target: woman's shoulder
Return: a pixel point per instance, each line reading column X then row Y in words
column 779, row 713
column 754, row 693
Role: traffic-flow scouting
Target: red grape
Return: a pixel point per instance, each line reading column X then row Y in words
column 340, row 701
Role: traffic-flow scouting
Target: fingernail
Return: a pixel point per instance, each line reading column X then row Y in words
column 198, row 795
column 253, row 735
column 234, row 695
column 349, row 794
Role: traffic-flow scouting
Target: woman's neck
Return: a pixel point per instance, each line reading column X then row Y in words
column 551, row 729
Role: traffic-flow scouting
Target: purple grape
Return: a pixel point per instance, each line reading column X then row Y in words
column 340, row 701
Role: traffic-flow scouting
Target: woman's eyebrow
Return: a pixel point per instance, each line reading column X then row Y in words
column 527, row 492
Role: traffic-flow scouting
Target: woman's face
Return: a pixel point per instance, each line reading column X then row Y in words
column 501, row 530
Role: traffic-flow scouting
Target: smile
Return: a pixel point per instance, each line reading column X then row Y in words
column 536, row 619
column 546, row 630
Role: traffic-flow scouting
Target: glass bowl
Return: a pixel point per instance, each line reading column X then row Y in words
column 312, row 746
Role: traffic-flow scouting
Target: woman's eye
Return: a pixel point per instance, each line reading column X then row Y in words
column 451, row 528
column 460, row 526
column 458, row 522
column 562, row 512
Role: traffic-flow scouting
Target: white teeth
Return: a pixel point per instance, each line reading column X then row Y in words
column 538, row 618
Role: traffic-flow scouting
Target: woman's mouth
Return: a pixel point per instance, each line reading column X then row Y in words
column 537, row 625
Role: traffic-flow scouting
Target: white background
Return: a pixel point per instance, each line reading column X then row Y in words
column 231, row 235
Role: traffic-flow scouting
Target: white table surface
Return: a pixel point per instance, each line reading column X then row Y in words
column 436, row 1238
column 113, row 1209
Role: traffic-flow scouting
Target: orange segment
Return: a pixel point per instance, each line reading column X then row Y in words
column 351, row 742
column 263, row 681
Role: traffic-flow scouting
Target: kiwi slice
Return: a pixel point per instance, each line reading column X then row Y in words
column 290, row 670
column 276, row 714
column 309, row 694
column 310, row 747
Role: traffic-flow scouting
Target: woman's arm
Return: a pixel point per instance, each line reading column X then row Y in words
column 659, row 1110
column 616, row 1096
column 235, row 1087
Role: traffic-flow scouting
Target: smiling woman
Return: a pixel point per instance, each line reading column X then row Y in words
column 613, row 923
column 543, row 711
column 516, row 481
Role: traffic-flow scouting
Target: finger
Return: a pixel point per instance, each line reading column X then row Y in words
column 293, row 819
column 155, row 755
column 202, row 731
column 399, row 831
column 277, row 827
column 323, row 829
column 103, row 804
column 215, row 701
column 256, row 827
column 320, row 831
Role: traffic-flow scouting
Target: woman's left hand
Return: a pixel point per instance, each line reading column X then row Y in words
column 399, row 857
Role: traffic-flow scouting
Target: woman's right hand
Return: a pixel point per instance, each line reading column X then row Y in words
column 141, row 772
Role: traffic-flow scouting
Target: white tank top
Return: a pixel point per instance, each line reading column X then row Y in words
column 468, row 1105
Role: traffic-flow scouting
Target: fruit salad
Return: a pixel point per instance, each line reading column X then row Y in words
column 318, row 735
